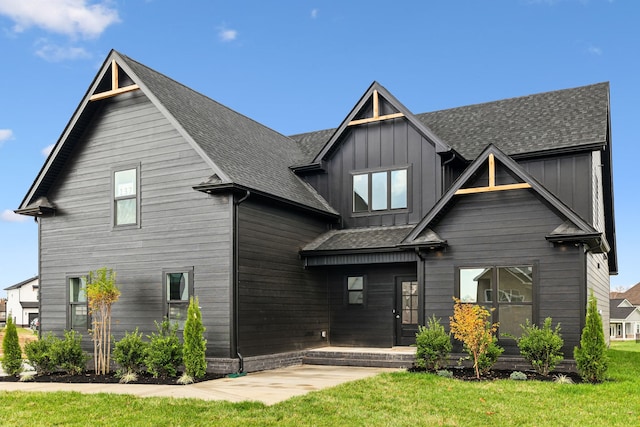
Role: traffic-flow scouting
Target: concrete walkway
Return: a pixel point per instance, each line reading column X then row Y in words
column 268, row 387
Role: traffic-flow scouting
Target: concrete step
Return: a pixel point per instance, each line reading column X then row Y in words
column 366, row 359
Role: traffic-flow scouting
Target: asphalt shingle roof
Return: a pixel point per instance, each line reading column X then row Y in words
column 616, row 312
column 535, row 123
column 360, row 238
column 249, row 153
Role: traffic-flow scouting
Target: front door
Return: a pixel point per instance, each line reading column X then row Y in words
column 406, row 311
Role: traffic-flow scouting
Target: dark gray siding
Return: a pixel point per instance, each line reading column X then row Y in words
column 502, row 229
column 370, row 325
column 568, row 177
column 386, row 144
column 179, row 226
column 282, row 306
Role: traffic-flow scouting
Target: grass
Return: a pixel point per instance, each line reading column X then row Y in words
column 396, row 399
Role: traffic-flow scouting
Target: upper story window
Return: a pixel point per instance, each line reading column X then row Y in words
column 125, row 196
column 380, row 190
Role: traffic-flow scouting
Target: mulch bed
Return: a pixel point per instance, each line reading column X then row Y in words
column 469, row 374
column 92, row 377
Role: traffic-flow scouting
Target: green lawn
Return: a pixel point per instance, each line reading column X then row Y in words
column 398, row 399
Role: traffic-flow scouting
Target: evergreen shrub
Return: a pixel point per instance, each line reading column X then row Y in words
column 433, row 345
column 12, row 353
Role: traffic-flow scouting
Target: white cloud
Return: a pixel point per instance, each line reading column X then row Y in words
column 314, row 13
column 5, row 135
column 54, row 53
column 595, row 50
column 10, row 216
column 70, row 17
column 227, row 35
column 47, row 150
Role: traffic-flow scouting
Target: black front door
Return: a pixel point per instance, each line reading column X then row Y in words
column 406, row 311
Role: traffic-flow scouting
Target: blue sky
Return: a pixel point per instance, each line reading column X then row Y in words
column 298, row 66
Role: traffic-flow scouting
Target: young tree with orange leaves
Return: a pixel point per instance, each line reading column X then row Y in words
column 470, row 324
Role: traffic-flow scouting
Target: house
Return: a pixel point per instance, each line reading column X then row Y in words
column 349, row 237
column 3, row 310
column 624, row 323
column 22, row 302
column 632, row 295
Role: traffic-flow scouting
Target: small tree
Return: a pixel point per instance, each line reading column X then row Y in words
column 542, row 347
column 591, row 357
column 470, row 324
column 102, row 292
column 434, row 345
column 195, row 346
column 12, row 358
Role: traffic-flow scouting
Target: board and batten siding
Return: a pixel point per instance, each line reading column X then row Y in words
column 282, row 306
column 179, row 227
column 508, row 228
column 388, row 144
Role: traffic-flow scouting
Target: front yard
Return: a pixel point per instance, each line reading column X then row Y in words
column 24, row 336
column 400, row 399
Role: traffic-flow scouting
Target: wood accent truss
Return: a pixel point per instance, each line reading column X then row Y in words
column 376, row 113
column 115, row 90
column 492, row 182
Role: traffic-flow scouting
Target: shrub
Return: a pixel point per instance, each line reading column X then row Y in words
column 12, row 353
column 68, row 353
column 164, row 352
column 470, row 324
column 129, row 353
column 518, row 376
column 444, row 373
column 542, row 347
column 591, row 357
column 194, row 348
column 434, row 345
column 40, row 356
column 490, row 356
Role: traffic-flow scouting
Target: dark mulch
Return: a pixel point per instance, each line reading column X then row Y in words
column 92, row 377
column 469, row 374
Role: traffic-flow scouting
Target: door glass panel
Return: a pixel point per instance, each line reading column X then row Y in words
column 409, row 300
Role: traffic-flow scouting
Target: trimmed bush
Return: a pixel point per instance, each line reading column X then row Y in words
column 129, row 353
column 542, row 347
column 591, row 357
column 40, row 356
column 68, row 353
column 12, row 353
column 433, row 345
column 195, row 346
column 164, row 352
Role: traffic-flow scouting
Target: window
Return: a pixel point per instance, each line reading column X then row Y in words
column 125, row 195
column 178, row 288
column 380, row 190
column 77, row 315
column 355, row 290
column 509, row 290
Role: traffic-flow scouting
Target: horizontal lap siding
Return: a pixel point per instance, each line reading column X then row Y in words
column 179, row 226
column 508, row 228
column 370, row 325
column 282, row 306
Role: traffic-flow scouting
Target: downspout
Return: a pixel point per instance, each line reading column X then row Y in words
column 443, row 177
column 236, row 279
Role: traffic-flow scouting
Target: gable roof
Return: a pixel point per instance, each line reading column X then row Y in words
column 617, row 310
column 632, row 294
column 575, row 229
column 567, row 119
column 21, row 284
column 242, row 153
column 376, row 89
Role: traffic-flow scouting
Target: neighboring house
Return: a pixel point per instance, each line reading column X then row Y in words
column 22, row 302
column 624, row 323
column 632, row 295
column 350, row 236
column 3, row 310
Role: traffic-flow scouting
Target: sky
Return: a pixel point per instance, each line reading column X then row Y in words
column 301, row 65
